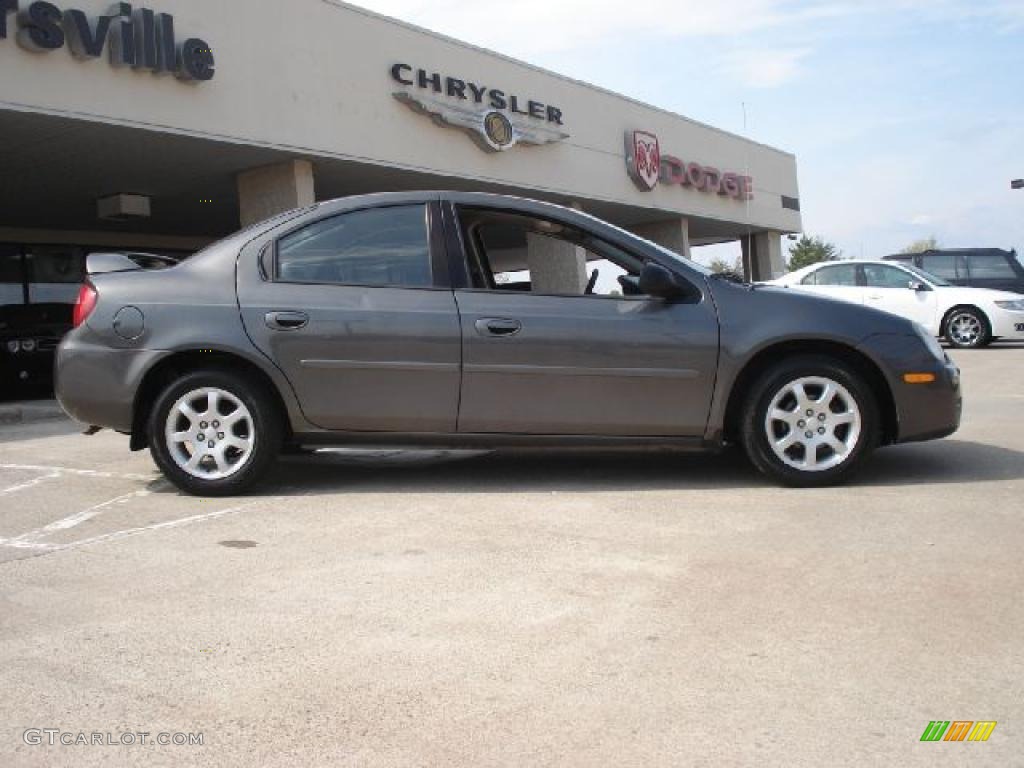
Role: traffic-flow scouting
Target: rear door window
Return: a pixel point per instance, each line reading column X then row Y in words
column 836, row 274
column 374, row 247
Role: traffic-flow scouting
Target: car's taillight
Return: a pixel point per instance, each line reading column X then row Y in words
column 84, row 304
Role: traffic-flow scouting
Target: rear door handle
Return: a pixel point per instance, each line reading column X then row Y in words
column 498, row 326
column 286, row 321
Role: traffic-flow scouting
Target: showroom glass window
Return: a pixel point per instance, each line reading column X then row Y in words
column 879, row 276
column 54, row 273
column 374, row 247
column 12, row 281
column 838, row 274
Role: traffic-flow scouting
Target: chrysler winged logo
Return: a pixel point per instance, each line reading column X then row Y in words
column 492, row 129
column 643, row 158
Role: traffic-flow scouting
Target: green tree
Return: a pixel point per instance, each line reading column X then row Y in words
column 920, row 246
column 719, row 265
column 810, row 250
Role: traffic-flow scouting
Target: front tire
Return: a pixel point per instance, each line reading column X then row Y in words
column 214, row 433
column 810, row 421
column 967, row 328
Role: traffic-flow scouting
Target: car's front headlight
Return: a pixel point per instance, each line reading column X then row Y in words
column 1014, row 305
column 930, row 341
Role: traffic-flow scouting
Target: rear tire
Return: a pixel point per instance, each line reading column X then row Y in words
column 214, row 433
column 810, row 421
column 967, row 328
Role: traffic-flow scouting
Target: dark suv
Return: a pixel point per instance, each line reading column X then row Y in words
column 973, row 267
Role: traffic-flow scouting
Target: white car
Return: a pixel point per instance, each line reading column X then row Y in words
column 967, row 317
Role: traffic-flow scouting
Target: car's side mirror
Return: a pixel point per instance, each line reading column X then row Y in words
column 655, row 280
column 917, row 285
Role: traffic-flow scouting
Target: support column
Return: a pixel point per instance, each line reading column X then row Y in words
column 272, row 189
column 762, row 256
column 673, row 234
column 555, row 265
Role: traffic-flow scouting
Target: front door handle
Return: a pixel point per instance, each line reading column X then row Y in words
column 498, row 326
column 286, row 321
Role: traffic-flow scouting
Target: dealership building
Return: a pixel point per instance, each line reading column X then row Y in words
column 166, row 126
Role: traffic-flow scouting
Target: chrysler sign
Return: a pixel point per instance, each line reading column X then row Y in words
column 496, row 119
column 136, row 38
column 648, row 167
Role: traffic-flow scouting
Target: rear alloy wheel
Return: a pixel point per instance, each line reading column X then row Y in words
column 967, row 328
column 213, row 433
column 810, row 422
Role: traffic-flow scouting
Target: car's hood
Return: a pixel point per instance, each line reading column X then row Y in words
column 800, row 313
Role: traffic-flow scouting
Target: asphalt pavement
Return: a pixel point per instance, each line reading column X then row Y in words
column 387, row 608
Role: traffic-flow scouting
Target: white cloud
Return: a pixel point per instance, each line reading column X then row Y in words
column 530, row 28
column 765, row 68
column 1006, row 15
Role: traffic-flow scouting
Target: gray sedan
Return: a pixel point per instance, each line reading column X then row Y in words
column 482, row 321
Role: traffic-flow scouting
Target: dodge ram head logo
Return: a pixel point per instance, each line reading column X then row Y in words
column 648, row 167
column 643, row 158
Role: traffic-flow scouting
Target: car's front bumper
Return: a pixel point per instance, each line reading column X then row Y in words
column 930, row 411
column 923, row 411
column 1007, row 324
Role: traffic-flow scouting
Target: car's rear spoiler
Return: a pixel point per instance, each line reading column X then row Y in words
column 100, row 263
column 124, row 261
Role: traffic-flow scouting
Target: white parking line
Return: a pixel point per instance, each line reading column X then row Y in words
column 183, row 521
column 31, row 483
column 33, row 540
column 25, row 544
column 81, row 472
column 79, row 517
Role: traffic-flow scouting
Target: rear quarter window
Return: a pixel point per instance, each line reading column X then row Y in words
column 990, row 266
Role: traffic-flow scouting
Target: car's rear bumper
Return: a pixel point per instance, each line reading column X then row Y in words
column 96, row 385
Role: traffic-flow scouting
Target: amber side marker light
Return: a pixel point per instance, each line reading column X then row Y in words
column 919, row 378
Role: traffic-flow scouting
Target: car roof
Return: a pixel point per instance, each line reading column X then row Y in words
column 487, row 199
column 879, row 262
column 951, row 252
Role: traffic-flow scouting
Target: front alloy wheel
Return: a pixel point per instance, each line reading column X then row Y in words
column 813, row 424
column 810, row 421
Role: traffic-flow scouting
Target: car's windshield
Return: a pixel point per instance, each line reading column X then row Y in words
column 928, row 277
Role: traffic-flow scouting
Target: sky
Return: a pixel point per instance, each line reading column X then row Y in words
column 906, row 116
